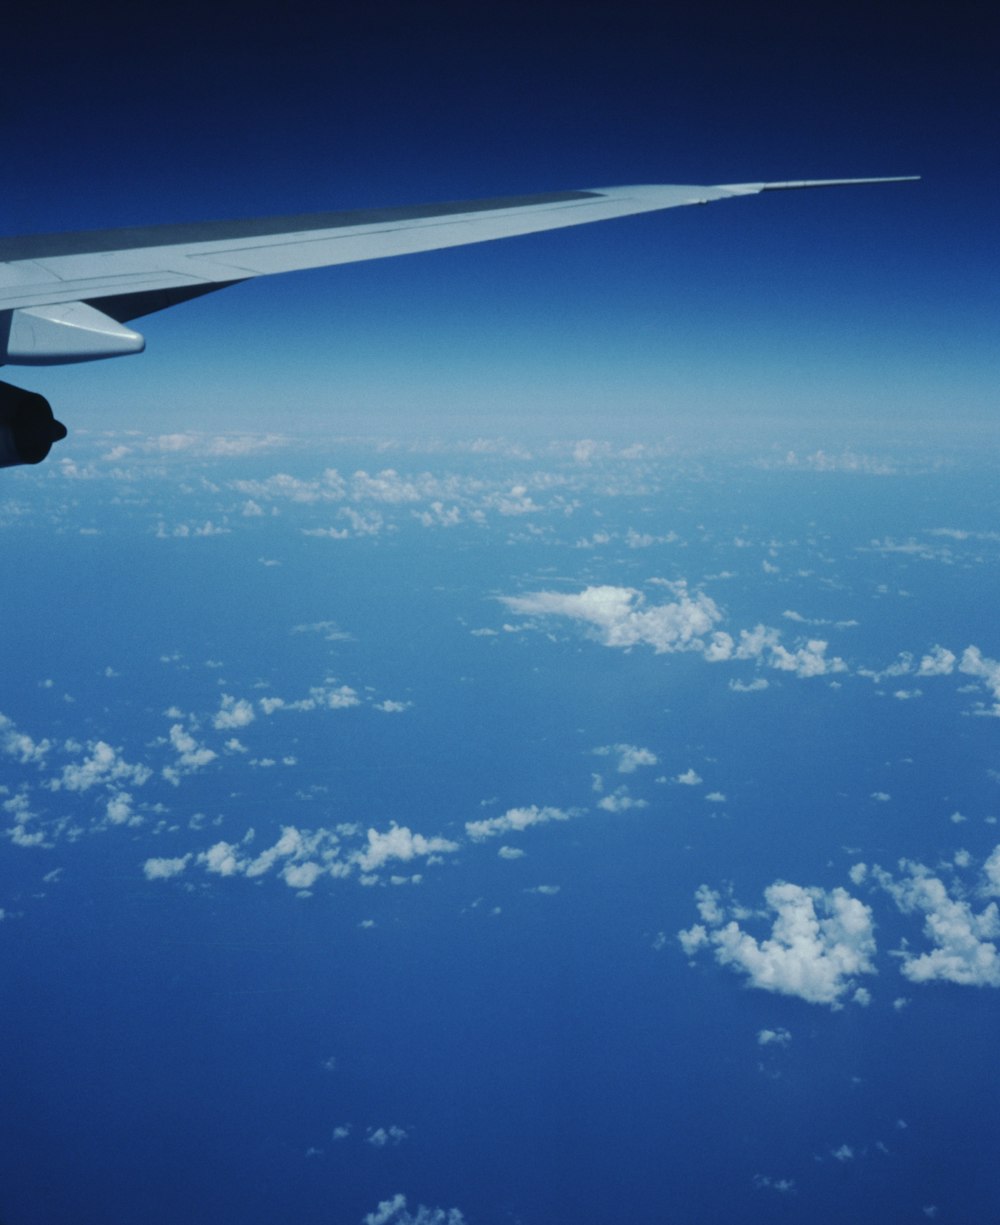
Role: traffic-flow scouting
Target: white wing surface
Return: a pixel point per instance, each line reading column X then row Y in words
column 54, row 269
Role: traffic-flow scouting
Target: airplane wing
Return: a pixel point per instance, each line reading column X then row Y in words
column 68, row 297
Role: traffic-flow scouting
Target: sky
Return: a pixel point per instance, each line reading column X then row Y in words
column 243, row 112
column 508, row 735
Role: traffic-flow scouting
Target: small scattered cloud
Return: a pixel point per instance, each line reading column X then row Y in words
column 233, row 713
column 620, row 801
column 386, row 1137
column 774, row 1037
column 191, row 755
column 395, row 1212
column 513, row 821
column 21, row 746
column 937, row 662
column 163, row 869
column 101, row 765
column 784, row 1186
column 630, row 756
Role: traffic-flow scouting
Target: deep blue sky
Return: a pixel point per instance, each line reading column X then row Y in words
column 876, row 303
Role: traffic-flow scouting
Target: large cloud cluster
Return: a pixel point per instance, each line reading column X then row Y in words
column 820, row 942
column 964, row 942
column 622, row 617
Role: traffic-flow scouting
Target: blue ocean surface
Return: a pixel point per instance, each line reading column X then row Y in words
column 538, row 831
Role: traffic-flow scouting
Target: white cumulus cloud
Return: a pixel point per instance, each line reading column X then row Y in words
column 513, row 820
column 819, row 943
column 233, row 713
column 630, row 756
column 620, row 617
column 102, row 765
column 964, row 942
column 19, row 744
column 163, row 869
column 399, row 842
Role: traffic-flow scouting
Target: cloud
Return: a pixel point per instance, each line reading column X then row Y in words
column 398, row 842
column 330, row 630
column 619, row 616
column 938, row 662
column 301, row 875
column 382, row 1136
column 18, row 744
column 163, row 869
column 119, row 810
column 102, row 765
column 820, row 941
column 784, row 1186
column 991, row 870
column 964, row 949
column 773, row 1037
column 690, row 778
column 394, row 1212
column 233, row 713
column 217, row 446
column 809, row 660
column 754, row 686
column 321, row 697
column 620, row 801
column 513, row 820
column 846, row 461
column 630, row 756
column 191, row 755
column 304, row 855
column 974, row 663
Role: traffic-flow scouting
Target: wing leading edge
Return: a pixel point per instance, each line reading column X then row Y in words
column 67, row 297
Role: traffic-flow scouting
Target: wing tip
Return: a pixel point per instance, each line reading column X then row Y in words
column 747, row 189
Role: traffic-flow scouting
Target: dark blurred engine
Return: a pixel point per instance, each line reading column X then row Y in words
column 27, row 427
